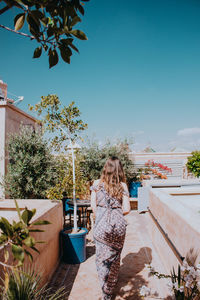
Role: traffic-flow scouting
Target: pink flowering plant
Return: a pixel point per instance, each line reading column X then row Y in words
column 185, row 285
column 158, row 170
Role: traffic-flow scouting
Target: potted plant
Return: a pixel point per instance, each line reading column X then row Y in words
column 65, row 126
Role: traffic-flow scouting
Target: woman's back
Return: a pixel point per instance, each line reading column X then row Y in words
column 110, row 202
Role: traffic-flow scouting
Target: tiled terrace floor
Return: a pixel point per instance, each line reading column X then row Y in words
column 81, row 281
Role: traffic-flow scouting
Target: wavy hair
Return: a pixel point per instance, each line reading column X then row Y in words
column 112, row 176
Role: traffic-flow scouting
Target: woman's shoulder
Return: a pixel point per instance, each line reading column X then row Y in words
column 124, row 185
column 95, row 185
column 96, row 182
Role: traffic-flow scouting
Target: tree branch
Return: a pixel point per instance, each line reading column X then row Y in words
column 5, row 265
column 20, row 33
column 4, row 9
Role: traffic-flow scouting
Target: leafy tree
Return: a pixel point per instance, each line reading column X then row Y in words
column 65, row 123
column 193, row 163
column 31, row 168
column 95, row 158
column 50, row 23
column 62, row 121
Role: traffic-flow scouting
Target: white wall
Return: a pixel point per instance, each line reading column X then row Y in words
column 2, row 144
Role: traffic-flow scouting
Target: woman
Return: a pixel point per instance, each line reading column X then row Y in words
column 109, row 201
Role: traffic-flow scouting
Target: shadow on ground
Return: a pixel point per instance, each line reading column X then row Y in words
column 129, row 280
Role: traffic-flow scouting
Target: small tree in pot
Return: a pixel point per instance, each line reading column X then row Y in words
column 64, row 123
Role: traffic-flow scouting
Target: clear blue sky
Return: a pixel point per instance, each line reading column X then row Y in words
column 138, row 75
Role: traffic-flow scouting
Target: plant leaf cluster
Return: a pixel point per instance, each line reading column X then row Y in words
column 96, row 156
column 64, row 186
column 31, row 168
column 51, row 24
column 193, row 163
column 25, row 283
column 64, row 121
column 17, row 235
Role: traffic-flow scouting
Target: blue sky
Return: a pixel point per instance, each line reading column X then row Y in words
column 137, row 76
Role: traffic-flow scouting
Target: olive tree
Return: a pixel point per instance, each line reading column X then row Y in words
column 65, row 125
column 31, row 167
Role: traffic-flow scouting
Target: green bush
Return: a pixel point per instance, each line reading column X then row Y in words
column 64, row 185
column 31, row 167
column 96, row 156
column 193, row 163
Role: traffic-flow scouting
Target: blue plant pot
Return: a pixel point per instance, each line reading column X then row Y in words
column 74, row 246
column 133, row 188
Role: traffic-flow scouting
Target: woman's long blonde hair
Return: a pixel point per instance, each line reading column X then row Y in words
column 112, row 176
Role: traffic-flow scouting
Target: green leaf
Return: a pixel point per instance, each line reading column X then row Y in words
column 81, row 9
column 53, row 58
column 65, row 54
column 29, row 255
column 6, row 255
column 37, row 53
column 18, row 252
column 75, row 20
column 42, row 222
column 37, row 14
column 18, row 226
column 6, row 227
column 29, row 241
column 50, row 31
column 35, row 249
column 19, row 21
column 3, row 238
column 18, row 210
column 33, row 25
column 36, row 230
column 27, row 215
column 73, row 47
column 79, row 34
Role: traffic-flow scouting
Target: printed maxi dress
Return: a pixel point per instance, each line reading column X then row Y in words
column 109, row 235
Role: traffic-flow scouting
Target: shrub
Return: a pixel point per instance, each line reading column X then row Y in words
column 31, row 167
column 64, row 185
column 193, row 163
column 96, row 156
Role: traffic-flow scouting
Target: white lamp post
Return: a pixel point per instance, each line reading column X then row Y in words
column 71, row 147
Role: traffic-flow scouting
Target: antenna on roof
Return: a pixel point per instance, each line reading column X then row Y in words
column 20, row 99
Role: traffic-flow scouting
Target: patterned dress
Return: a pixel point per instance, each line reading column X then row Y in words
column 109, row 235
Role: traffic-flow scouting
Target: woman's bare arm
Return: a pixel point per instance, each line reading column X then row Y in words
column 125, row 200
column 94, row 198
column 93, row 202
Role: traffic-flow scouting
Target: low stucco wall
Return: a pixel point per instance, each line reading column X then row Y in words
column 179, row 219
column 49, row 257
